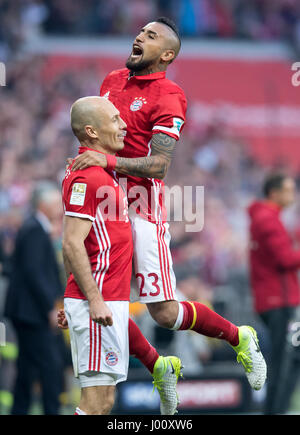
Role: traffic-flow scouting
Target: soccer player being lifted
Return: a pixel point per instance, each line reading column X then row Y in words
column 154, row 109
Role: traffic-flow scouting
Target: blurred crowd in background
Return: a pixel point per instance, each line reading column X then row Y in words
column 36, row 140
column 256, row 19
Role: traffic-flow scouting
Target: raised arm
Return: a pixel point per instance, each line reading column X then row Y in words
column 77, row 262
column 154, row 166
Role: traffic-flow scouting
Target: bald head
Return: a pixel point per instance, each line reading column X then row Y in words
column 87, row 111
column 96, row 123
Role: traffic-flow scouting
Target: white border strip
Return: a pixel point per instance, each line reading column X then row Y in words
column 80, row 215
column 173, row 130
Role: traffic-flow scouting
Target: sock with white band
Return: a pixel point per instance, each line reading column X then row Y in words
column 200, row 318
column 179, row 319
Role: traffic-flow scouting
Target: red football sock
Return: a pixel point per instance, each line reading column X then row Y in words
column 140, row 347
column 199, row 318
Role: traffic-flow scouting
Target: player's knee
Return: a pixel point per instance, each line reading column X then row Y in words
column 94, row 409
column 164, row 321
column 97, row 400
column 108, row 403
column 102, row 408
column 108, row 406
column 164, row 313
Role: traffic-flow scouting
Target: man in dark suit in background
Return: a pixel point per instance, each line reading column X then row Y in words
column 34, row 289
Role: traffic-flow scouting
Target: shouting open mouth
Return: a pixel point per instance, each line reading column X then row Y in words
column 137, row 52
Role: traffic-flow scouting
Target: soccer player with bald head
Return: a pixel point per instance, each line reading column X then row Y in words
column 154, row 110
column 97, row 250
column 96, row 296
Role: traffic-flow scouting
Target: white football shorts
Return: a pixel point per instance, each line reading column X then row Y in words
column 100, row 355
column 153, row 278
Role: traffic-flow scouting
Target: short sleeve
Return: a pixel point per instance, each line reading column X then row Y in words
column 80, row 199
column 169, row 115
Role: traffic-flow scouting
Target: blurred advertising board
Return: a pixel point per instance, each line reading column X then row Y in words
column 196, row 395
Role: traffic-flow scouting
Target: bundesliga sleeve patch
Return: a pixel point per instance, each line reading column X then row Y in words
column 177, row 123
column 175, row 129
column 78, row 194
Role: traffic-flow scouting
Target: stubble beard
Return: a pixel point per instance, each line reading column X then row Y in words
column 138, row 66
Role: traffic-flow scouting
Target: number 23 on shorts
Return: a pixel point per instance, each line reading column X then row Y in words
column 154, row 277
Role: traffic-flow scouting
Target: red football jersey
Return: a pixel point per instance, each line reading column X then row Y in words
column 148, row 104
column 94, row 194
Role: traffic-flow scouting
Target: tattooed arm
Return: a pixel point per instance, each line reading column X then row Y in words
column 154, row 166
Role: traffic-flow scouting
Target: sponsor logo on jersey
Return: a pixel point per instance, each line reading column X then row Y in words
column 137, row 103
column 111, row 358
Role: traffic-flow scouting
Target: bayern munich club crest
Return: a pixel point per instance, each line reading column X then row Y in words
column 137, row 103
column 111, row 358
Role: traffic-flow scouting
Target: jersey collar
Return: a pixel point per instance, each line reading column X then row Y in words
column 153, row 76
column 82, row 149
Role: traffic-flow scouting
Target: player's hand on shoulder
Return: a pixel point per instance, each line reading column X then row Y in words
column 89, row 158
column 69, row 162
